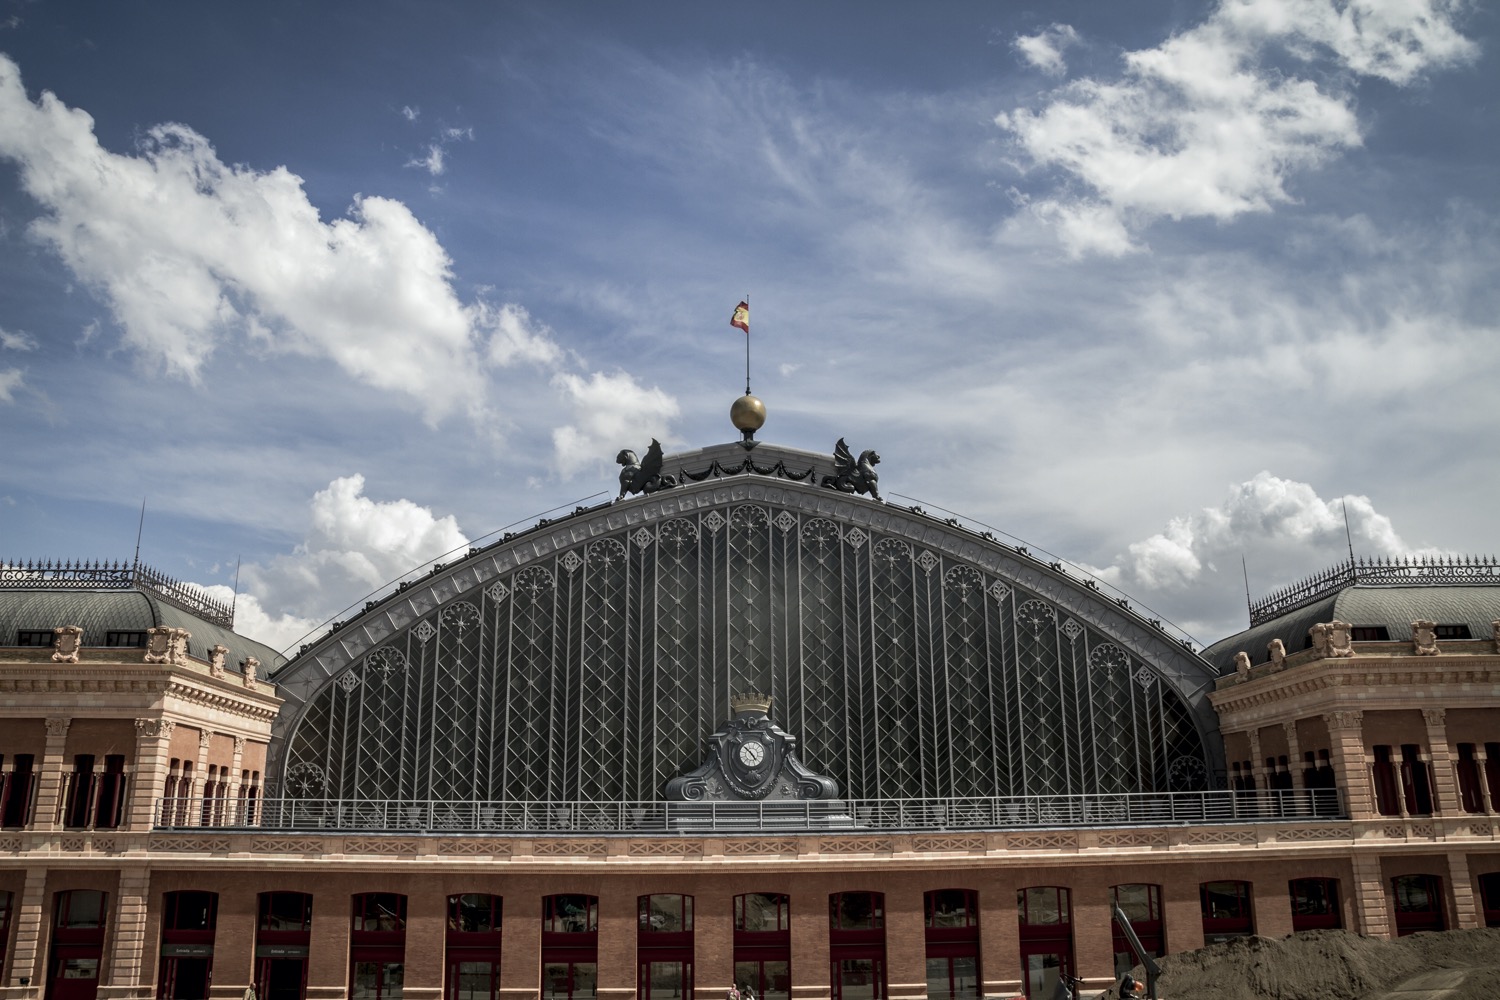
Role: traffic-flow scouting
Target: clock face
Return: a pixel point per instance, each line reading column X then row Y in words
column 752, row 754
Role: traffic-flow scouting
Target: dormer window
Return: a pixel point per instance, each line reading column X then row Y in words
column 35, row 637
column 1370, row 633
column 1453, row 632
column 136, row 640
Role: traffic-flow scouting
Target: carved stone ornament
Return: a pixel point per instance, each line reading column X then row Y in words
column 216, row 654
column 65, row 646
column 851, row 475
column 642, row 475
column 1242, row 663
column 1332, row 639
column 1435, row 717
column 1495, row 634
column 750, row 758
column 57, row 728
column 239, row 745
column 165, row 644
column 249, row 665
column 1424, row 637
column 1277, row 652
column 148, row 729
column 205, row 737
column 1353, row 719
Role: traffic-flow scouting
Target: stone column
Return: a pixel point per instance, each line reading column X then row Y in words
column 713, row 943
column 200, row 777
column 1466, row 913
column 153, row 742
column 1444, row 774
column 1371, row 892
column 810, row 948
column 999, row 942
column 232, row 806
column 50, row 779
column 1257, row 766
column 905, row 946
column 131, row 972
column 28, row 950
column 1350, row 769
column 1294, row 755
column 1480, row 760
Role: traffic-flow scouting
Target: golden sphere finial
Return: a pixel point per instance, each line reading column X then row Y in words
column 748, row 414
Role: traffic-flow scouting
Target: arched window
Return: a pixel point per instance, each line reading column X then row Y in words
column 1419, row 903
column 1315, row 903
column 283, row 932
column 570, row 947
column 1046, row 922
column 473, row 947
column 78, row 924
column 763, row 944
column 1141, row 904
column 856, row 945
column 664, row 947
column 952, row 940
column 1227, row 911
column 187, row 944
column 377, row 946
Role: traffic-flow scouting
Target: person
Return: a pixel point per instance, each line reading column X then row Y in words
column 1128, row 987
column 747, row 993
column 733, row 994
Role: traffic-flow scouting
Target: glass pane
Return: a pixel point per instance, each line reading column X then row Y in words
column 663, row 913
column 81, row 908
column 1137, row 900
column 758, row 912
column 472, row 912
column 394, row 974
column 856, row 911
column 1042, row 976
column 474, row 981
column 939, row 979
column 859, row 979
column 776, row 981
column 366, row 984
column 668, row 980
column 966, row 978
column 1224, row 900
column 284, row 911
column 950, row 908
column 585, row 980
column 80, row 968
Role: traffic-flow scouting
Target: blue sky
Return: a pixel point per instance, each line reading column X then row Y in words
column 1149, row 285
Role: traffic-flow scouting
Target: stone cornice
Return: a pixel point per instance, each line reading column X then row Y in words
column 132, row 688
column 1368, row 681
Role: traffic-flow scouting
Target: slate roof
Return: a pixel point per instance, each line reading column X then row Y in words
column 1394, row 607
column 101, row 612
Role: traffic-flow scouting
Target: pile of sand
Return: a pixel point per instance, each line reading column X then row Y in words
column 1337, row 965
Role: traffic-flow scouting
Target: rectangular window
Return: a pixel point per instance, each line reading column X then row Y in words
column 127, row 640
column 15, row 792
column 1370, row 633
column 1453, row 632
column 35, row 637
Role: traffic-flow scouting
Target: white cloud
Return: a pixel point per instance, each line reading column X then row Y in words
column 189, row 251
column 410, row 113
column 17, row 341
column 1044, row 50
column 251, row 619
column 1202, row 125
column 10, row 381
column 610, row 412
column 354, row 545
column 432, row 162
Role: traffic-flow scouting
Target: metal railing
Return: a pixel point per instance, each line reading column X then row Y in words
column 1005, row 813
column 48, row 574
column 1379, row 571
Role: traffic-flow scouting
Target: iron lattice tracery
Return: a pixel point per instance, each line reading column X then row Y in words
column 596, row 674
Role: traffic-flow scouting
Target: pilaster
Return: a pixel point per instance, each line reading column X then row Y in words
column 713, row 943
column 28, row 958
column 1374, row 909
column 1350, row 768
column 50, row 778
column 905, row 946
column 1444, row 774
column 1294, row 755
column 1465, row 911
column 128, row 975
column 999, row 943
column 153, row 739
column 810, row 951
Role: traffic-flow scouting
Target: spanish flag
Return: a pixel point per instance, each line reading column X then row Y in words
column 741, row 317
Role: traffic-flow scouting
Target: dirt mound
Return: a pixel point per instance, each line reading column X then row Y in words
column 1331, row 965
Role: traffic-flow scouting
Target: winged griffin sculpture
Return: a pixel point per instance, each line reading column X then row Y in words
column 851, row 476
column 642, row 476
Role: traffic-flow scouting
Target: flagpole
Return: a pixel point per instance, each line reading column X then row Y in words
column 747, row 348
